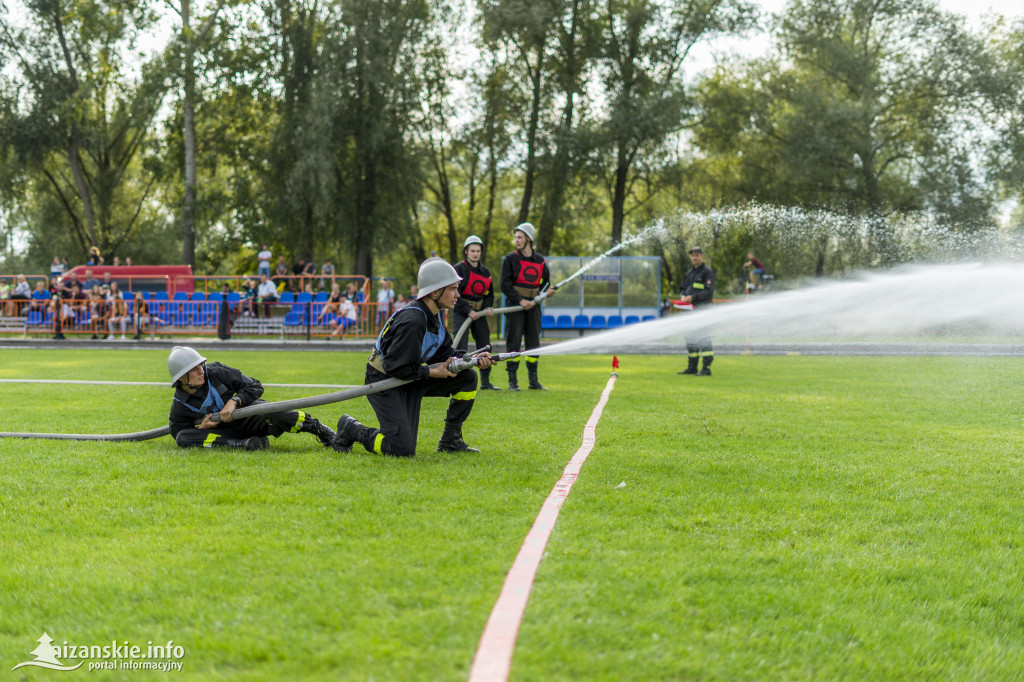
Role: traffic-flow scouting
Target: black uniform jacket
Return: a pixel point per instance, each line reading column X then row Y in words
column 510, row 266
column 227, row 381
column 402, row 340
column 699, row 283
column 465, row 270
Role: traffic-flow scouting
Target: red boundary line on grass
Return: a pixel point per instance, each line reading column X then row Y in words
column 494, row 654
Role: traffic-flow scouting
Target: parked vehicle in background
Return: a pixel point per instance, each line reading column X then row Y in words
column 135, row 278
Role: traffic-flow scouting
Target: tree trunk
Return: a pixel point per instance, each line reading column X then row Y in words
column 188, row 249
column 619, row 195
column 73, row 150
column 531, row 144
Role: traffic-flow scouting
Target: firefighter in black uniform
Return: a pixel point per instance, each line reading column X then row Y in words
column 524, row 274
column 413, row 338
column 203, row 388
column 698, row 288
column 476, row 302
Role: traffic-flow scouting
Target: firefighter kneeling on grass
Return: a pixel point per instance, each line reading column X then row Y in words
column 413, row 338
column 202, row 389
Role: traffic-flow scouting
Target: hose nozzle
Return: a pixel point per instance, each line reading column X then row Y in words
column 459, row 364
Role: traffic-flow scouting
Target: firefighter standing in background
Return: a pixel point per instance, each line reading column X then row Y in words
column 524, row 274
column 412, row 339
column 698, row 288
column 202, row 389
column 476, row 302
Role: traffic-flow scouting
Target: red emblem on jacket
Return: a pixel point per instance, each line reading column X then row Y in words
column 530, row 274
column 475, row 285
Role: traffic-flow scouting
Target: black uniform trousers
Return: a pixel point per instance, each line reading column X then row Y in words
column 519, row 324
column 398, row 410
column 273, row 424
column 479, row 328
column 698, row 342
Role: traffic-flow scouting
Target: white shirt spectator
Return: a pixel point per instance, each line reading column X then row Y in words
column 346, row 309
column 267, row 290
column 264, row 258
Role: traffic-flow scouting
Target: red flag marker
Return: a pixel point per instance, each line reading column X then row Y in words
column 615, row 362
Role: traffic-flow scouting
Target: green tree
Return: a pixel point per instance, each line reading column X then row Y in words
column 863, row 110
column 645, row 44
column 81, row 120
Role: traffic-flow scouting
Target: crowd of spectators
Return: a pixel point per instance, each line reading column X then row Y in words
column 99, row 306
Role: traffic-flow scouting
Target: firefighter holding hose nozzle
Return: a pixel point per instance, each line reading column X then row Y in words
column 524, row 275
column 413, row 338
column 202, row 389
column 699, row 289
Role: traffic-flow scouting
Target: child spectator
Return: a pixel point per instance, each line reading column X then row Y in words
column 346, row 318
column 100, row 311
column 118, row 311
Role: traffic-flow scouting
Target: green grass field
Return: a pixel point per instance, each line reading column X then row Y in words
column 788, row 518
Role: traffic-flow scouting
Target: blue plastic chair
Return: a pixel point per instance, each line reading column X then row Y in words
column 632, row 319
column 38, row 317
column 563, row 322
column 547, row 321
column 321, row 297
column 180, row 296
column 581, row 322
column 287, row 297
column 614, row 321
column 598, row 322
column 160, row 296
column 648, row 318
column 198, row 296
column 295, row 318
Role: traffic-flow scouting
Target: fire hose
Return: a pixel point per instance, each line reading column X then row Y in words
column 455, row 366
column 499, row 311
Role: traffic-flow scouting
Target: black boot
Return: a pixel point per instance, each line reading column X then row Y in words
column 531, row 371
column 512, row 368
column 253, row 443
column 451, row 441
column 691, row 367
column 323, row 433
column 705, row 371
column 485, row 381
column 348, row 433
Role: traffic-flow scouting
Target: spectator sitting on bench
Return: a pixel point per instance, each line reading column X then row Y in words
column 40, row 297
column 143, row 316
column 118, row 311
column 346, row 318
column 267, row 294
column 333, row 301
column 100, row 311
